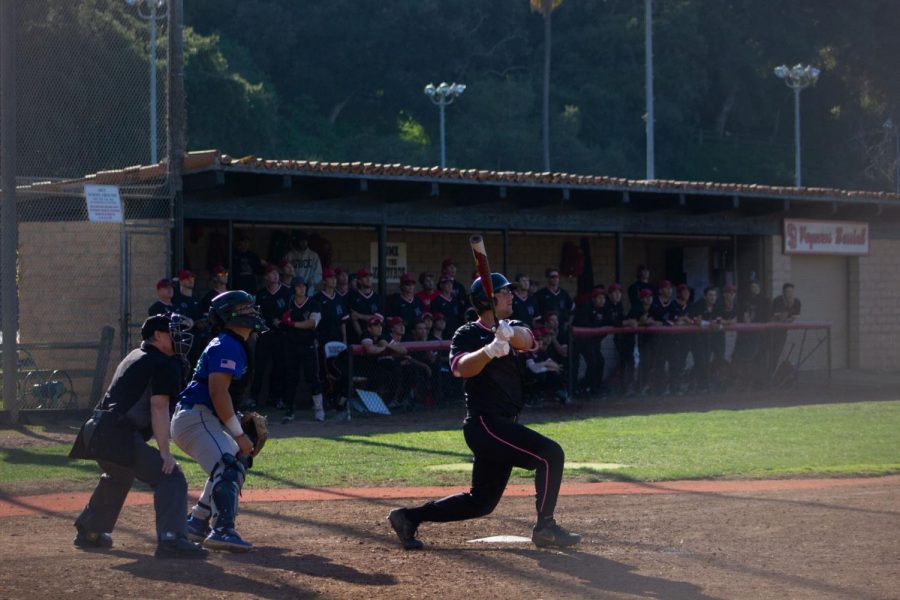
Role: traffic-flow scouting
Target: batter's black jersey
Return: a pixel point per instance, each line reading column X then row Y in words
column 498, row 388
column 143, row 373
column 273, row 305
column 158, row 308
column 334, row 315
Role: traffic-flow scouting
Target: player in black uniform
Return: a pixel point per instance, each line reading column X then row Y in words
column 448, row 305
column 493, row 366
column 593, row 314
column 188, row 304
column 164, row 292
column 274, row 299
column 300, row 321
column 135, row 408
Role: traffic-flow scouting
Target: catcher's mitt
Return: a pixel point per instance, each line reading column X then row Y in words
column 257, row 429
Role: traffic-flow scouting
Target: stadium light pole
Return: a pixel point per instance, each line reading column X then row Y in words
column 443, row 95
column 648, row 87
column 151, row 11
column 797, row 78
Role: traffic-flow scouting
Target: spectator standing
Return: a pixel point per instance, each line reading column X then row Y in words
column 523, row 300
column 429, row 290
column 302, row 352
column 642, row 315
column 187, row 304
column 274, row 299
column 750, row 356
column 785, row 308
column 448, row 305
column 305, row 260
column 624, row 342
column 705, row 313
column 666, row 367
column 245, row 266
column 555, row 298
column 333, row 327
column 593, row 314
column 642, row 283
column 405, row 304
column 218, row 284
column 165, row 290
column 448, row 269
column 364, row 303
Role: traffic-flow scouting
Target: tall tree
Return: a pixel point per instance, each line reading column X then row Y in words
column 546, row 7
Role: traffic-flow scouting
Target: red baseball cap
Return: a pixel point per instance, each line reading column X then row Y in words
column 164, row 282
column 284, row 263
column 328, row 272
column 364, row 272
column 376, row 318
column 598, row 291
column 391, row 321
column 184, row 274
column 270, row 268
column 614, row 287
column 682, row 286
column 645, row 293
column 438, row 316
column 407, row 278
column 665, row 283
column 729, row 288
column 219, row 269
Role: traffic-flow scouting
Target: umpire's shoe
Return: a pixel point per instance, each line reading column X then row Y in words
column 91, row 540
column 227, row 539
column 549, row 534
column 180, row 547
column 405, row 529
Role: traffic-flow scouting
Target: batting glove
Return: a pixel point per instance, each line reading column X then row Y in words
column 504, row 331
column 497, row 348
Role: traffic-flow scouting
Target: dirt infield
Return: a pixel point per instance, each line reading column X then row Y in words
column 722, row 539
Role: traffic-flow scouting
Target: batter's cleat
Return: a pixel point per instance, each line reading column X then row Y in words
column 227, row 539
column 91, row 540
column 197, row 529
column 405, row 529
column 180, row 547
column 552, row 535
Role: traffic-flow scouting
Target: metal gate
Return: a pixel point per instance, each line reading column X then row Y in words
column 148, row 255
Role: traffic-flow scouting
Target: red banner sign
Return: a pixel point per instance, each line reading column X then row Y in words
column 843, row 238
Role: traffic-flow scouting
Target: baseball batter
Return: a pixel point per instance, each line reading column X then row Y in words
column 492, row 362
column 206, row 426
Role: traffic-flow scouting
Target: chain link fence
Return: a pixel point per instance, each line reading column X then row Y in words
column 90, row 111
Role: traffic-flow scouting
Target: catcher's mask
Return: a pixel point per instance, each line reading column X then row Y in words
column 179, row 329
column 236, row 308
column 479, row 297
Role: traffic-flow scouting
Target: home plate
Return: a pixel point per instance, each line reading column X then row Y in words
column 502, row 539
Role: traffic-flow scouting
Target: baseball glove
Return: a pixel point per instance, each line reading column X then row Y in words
column 257, row 429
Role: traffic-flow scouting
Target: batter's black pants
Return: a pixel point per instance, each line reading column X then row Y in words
column 499, row 444
column 169, row 493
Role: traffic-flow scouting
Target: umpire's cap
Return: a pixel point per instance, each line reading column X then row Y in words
column 479, row 297
column 153, row 324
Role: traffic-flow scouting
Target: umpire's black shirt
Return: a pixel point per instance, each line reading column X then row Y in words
column 143, row 373
column 497, row 389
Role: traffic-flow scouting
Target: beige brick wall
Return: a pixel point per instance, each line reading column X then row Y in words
column 874, row 310
column 778, row 265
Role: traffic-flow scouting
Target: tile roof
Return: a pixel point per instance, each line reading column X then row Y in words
column 213, row 160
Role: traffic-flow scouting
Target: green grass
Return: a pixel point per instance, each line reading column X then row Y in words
column 834, row 440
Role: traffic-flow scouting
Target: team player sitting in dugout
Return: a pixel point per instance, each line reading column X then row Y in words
column 490, row 357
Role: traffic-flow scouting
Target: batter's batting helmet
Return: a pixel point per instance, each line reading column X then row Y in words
column 476, row 291
column 237, row 308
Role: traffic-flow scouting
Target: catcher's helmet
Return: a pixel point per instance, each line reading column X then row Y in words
column 237, row 308
column 479, row 297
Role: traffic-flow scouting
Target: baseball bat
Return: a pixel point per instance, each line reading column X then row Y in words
column 483, row 268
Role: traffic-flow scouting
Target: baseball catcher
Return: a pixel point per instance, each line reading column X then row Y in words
column 208, row 427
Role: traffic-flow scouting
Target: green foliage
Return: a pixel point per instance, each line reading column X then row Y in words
column 342, row 80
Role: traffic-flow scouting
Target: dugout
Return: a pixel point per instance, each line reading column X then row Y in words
column 681, row 230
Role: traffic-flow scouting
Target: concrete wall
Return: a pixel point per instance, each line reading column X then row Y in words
column 874, row 310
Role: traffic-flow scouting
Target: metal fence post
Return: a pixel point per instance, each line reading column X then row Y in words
column 10, row 234
column 102, row 364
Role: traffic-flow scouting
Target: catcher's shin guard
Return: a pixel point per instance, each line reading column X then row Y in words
column 228, row 479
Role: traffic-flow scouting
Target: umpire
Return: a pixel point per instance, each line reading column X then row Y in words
column 137, row 406
column 492, row 362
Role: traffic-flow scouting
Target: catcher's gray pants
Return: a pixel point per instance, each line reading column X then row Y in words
column 169, row 493
column 197, row 431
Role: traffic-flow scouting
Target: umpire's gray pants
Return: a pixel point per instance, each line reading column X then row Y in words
column 169, row 493
column 200, row 433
